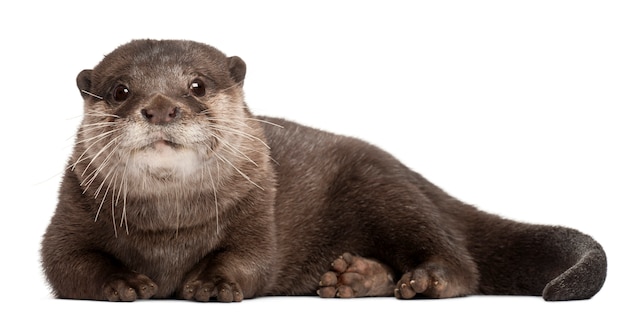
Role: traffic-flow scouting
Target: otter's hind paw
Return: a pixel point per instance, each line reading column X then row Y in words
column 431, row 280
column 355, row 276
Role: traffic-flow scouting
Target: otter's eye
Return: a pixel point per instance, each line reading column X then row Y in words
column 197, row 87
column 121, row 93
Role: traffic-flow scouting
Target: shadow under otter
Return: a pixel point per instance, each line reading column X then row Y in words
column 175, row 190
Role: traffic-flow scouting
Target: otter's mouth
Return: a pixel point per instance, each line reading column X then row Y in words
column 164, row 144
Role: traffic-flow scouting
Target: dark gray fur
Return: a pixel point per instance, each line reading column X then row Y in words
column 251, row 221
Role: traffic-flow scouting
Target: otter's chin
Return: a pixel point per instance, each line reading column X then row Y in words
column 163, row 157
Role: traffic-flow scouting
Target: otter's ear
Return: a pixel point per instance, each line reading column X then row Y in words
column 237, row 68
column 83, row 81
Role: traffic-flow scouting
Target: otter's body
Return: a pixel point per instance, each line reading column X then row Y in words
column 176, row 190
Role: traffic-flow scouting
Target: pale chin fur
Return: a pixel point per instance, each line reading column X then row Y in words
column 165, row 163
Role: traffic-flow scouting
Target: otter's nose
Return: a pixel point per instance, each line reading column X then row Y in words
column 160, row 111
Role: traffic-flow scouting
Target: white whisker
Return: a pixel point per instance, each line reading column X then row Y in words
column 96, row 113
column 95, row 126
column 239, row 132
column 124, row 183
column 104, row 197
column 104, row 180
column 113, row 206
column 233, row 149
column 265, row 122
column 237, row 169
column 92, row 176
column 80, row 158
column 100, row 135
column 217, row 212
column 104, row 148
column 91, row 94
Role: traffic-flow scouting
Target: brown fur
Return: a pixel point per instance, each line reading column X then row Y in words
column 171, row 192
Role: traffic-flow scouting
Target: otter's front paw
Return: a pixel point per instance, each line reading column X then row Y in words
column 203, row 290
column 129, row 287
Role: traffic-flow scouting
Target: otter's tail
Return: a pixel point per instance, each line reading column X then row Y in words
column 555, row 262
column 584, row 278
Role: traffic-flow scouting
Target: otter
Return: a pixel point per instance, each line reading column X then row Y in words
column 175, row 189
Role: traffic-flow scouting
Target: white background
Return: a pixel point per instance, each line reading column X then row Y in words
column 514, row 106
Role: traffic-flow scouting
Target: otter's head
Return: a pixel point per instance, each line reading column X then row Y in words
column 163, row 114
